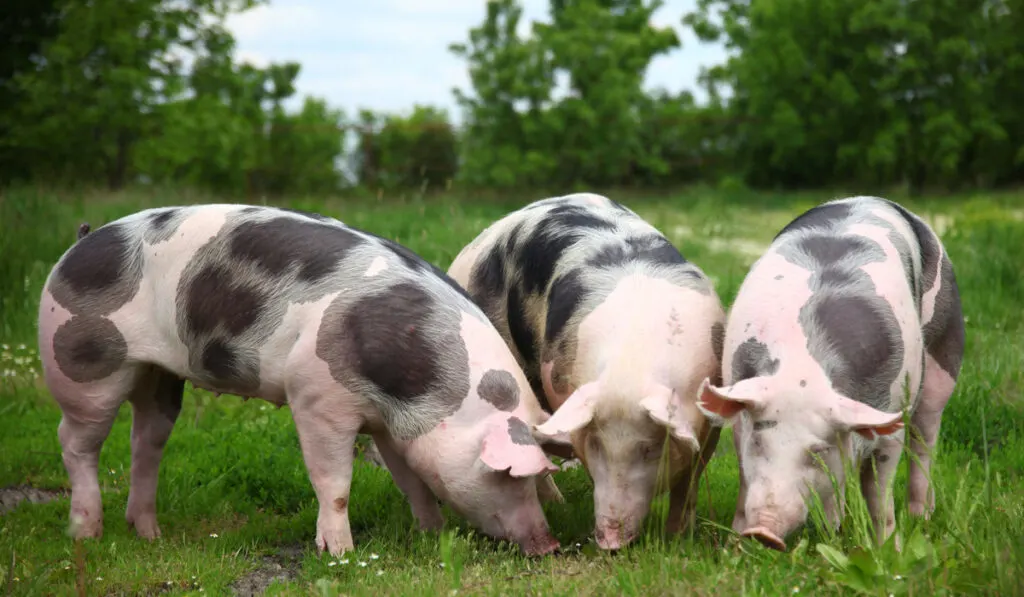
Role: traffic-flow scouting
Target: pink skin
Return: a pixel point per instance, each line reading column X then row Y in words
column 777, row 469
column 492, row 480
column 638, row 362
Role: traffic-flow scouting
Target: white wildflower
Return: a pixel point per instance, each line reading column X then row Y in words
column 343, row 562
column 362, row 564
column 214, row 535
column 380, row 573
column 374, row 556
column 332, row 563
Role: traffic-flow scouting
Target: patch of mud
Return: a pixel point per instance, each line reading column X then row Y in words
column 282, row 566
column 10, row 497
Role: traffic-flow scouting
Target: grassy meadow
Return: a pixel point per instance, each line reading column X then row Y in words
column 238, row 513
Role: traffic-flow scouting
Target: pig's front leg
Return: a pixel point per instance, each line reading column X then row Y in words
column 876, row 478
column 682, row 509
column 156, row 402
column 327, row 425
column 421, row 499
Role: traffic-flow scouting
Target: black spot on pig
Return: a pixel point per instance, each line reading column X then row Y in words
column 162, row 224
column 213, row 298
column 100, row 273
column 931, row 252
column 540, row 252
column 566, row 295
column 653, row 249
column 89, row 348
column 519, row 431
column 500, row 389
column 401, row 350
column 572, row 216
column 718, row 339
column 520, row 329
column 752, row 359
column 829, row 251
column 376, row 346
column 820, row 217
column 944, row 335
column 762, row 425
column 487, row 281
column 280, row 244
column 857, row 341
column 220, row 361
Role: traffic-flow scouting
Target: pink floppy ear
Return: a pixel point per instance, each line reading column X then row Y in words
column 868, row 422
column 573, row 414
column 666, row 407
column 510, row 446
column 721, row 405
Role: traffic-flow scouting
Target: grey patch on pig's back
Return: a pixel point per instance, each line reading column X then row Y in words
column 400, row 348
column 101, row 273
column 163, row 223
column 88, row 348
column 500, row 389
column 762, row 425
column 519, row 432
column 752, row 359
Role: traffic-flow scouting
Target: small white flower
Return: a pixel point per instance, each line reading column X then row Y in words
column 21, row 347
column 897, row 577
column 374, row 556
column 796, row 590
column 332, row 563
column 214, row 535
column 380, row 573
column 362, row 564
column 442, row 564
column 113, row 472
column 67, row 567
column 577, row 545
column 5, row 347
column 99, row 578
column 200, row 589
column 16, row 579
column 193, row 577
column 343, row 562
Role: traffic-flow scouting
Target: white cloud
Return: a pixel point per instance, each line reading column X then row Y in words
column 391, row 54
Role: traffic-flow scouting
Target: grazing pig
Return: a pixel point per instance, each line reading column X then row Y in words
column 616, row 330
column 355, row 333
column 853, row 307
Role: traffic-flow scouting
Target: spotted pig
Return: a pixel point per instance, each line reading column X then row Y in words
column 853, row 309
column 355, row 333
column 615, row 331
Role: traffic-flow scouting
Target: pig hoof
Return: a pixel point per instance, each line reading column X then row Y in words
column 80, row 527
column 147, row 528
column 333, row 544
column 766, row 538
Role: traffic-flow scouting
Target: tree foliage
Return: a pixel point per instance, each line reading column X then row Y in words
column 864, row 93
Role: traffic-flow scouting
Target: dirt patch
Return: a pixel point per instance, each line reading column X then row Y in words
column 10, row 497
column 282, row 566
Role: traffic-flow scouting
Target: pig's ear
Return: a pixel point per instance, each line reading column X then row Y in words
column 721, row 405
column 573, row 414
column 666, row 407
column 509, row 446
column 868, row 422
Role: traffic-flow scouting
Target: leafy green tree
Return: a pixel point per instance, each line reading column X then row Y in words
column 420, row 150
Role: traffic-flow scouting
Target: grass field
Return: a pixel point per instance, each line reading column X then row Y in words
column 238, row 513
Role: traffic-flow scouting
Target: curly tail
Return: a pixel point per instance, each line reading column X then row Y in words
column 83, row 229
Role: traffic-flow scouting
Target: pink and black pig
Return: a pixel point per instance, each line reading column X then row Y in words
column 853, row 308
column 354, row 332
column 615, row 331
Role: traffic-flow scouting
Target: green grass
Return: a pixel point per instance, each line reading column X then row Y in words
column 234, row 496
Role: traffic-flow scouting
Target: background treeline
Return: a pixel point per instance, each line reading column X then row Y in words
column 873, row 93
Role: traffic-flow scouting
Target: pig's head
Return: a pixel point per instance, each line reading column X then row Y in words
column 620, row 440
column 496, row 483
column 786, row 432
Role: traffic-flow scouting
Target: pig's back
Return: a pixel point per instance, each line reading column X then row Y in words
column 222, row 294
column 840, row 285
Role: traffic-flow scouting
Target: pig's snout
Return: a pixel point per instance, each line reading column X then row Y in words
column 539, row 544
column 766, row 537
column 768, row 529
column 613, row 534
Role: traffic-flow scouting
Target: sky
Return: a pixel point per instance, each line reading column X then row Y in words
column 387, row 55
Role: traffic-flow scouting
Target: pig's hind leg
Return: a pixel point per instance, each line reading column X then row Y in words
column 328, row 423
column 88, row 413
column 421, row 499
column 876, row 478
column 156, row 402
